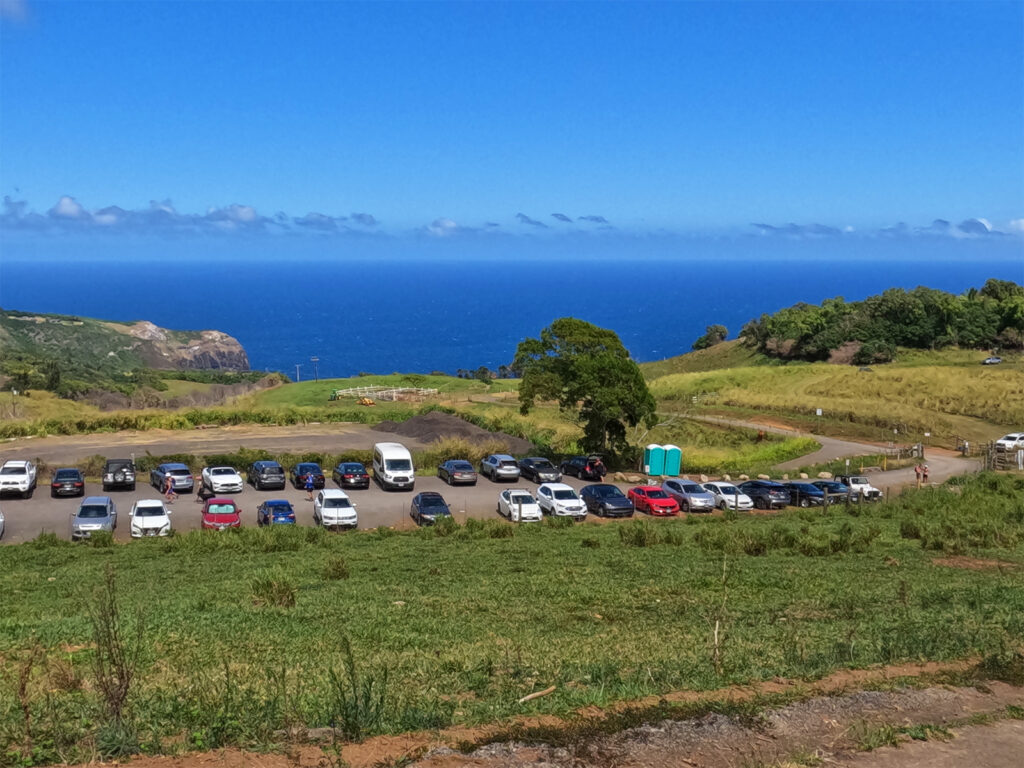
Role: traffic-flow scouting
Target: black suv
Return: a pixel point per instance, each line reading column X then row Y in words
column 766, row 494
column 585, row 467
column 266, row 474
column 539, row 470
column 119, row 473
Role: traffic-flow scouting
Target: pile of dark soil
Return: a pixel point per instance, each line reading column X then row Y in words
column 432, row 426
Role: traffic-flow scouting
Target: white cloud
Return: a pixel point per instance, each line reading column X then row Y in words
column 442, row 227
column 67, row 208
column 1017, row 225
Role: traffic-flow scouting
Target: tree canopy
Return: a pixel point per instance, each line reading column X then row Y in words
column 923, row 318
column 589, row 372
column 713, row 334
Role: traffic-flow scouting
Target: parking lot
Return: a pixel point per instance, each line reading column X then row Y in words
column 27, row 518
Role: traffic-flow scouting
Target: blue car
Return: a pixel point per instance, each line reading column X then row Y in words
column 275, row 512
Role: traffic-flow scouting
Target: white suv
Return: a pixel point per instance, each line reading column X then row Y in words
column 150, row 517
column 333, row 509
column 18, row 477
column 561, row 500
column 1011, row 442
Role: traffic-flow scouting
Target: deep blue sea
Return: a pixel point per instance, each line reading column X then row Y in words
column 419, row 316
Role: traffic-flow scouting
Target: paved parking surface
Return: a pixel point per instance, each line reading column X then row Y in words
column 27, row 518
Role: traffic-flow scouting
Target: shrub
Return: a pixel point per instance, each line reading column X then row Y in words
column 273, row 589
column 358, row 701
column 638, row 533
column 336, row 569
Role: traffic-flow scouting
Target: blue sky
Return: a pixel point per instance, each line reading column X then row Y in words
column 616, row 122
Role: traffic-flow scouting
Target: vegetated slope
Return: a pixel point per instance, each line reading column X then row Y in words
column 454, row 624
column 727, row 354
column 971, row 401
column 45, row 351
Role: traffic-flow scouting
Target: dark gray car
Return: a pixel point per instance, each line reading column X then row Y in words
column 96, row 513
column 606, row 500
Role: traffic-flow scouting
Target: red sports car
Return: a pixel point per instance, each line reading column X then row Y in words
column 219, row 514
column 652, row 500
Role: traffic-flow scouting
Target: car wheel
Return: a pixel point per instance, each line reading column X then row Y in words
column 53, row 494
column 722, row 505
column 759, row 503
column 684, row 506
column 805, row 502
column 131, row 487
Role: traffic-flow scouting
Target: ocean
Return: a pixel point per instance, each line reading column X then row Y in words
column 419, row 316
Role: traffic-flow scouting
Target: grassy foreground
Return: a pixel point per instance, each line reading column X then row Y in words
column 246, row 634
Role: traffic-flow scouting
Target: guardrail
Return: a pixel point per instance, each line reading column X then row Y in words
column 380, row 392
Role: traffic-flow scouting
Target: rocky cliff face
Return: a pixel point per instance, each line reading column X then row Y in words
column 164, row 349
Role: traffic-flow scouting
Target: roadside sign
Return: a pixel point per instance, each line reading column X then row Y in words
column 819, row 411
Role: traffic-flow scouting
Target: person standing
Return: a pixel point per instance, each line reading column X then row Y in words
column 169, row 493
column 309, row 486
column 924, row 473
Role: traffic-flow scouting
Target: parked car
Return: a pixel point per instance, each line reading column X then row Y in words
column 149, row 517
column 275, row 512
column 67, row 481
column 181, row 476
column 690, row 495
column 835, row 492
column 1011, row 442
column 606, row 500
column 561, row 500
column 301, row 470
column 860, row 486
column 222, row 479
column 427, row 507
column 351, row 474
column 266, row 474
column 500, row 466
column 994, row 360
column 334, row 509
column 585, row 467
column 95, row 513
column 653, row 500
column 119, row 473
column 18, row 477
column 519, row 506
column 728, row 496
column 457, row 471
column 219, row 514
column 765, row 494
column 539, row 470
column 804, row 494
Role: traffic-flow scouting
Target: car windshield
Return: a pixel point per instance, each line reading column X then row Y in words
column 352, row 468
column 66, row 474
column 221, row 509
column 543, row 464
column 657, row 494
column 179, row 472
column 13, row 471
column 432, row 501
column 521, row 498
column 731, row 490
column 222, row 471
column 607, row 491
column 149, row 510
column 398, row 465
column 462, row 466
column 281, row 509
column 92, row 510
column 568, row 493
column 693, row 488
column 859, row 480
column 273, row 470
column 337, row 503
column 303, row 469
column 509, row 463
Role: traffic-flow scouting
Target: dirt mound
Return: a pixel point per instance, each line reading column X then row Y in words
column 432, row 426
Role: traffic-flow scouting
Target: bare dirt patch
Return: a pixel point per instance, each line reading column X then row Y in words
column 974, row 563
column 428, row 427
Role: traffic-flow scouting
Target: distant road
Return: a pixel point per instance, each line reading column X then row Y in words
column 942, row 464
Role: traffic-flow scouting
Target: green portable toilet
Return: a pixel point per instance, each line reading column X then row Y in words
column 673, row 460
column 654, row 460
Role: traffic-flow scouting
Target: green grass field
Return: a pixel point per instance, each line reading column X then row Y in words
column 975, row 402
column 245, row 632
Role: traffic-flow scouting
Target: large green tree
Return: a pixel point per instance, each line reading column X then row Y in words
column 588, row 371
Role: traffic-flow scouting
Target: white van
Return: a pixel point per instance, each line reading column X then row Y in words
column 392, row 466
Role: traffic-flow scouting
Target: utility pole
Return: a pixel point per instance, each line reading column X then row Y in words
column 316, row 368
column 296, row 372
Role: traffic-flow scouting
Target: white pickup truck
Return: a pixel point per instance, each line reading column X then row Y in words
column 18, row 477
column 859, row 485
